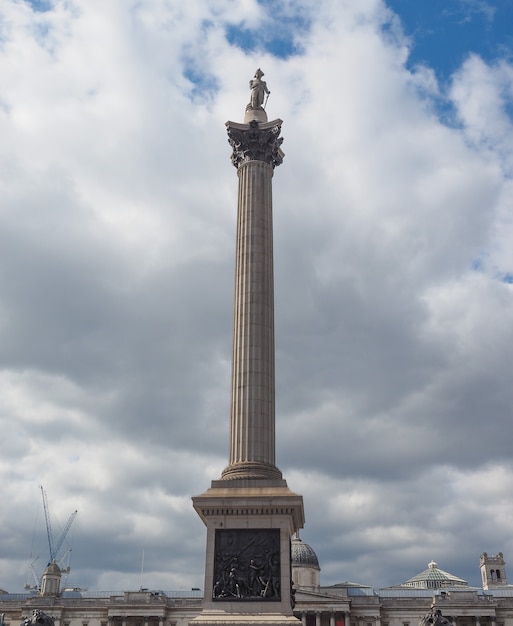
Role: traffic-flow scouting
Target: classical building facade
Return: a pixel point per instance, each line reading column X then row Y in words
column 344, row 604
column 349, row 604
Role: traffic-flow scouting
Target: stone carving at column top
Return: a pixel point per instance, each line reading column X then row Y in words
column 256, row 142
column 256, row 139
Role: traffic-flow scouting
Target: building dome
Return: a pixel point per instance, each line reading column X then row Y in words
column 434, row 578
column 305, row 565
column 303, row 555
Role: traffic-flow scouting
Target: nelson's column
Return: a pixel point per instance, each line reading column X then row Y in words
column 250, row 513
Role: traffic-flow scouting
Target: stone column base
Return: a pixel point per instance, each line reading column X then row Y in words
column 222, row 618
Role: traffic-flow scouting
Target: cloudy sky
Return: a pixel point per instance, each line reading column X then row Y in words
column 393, row 275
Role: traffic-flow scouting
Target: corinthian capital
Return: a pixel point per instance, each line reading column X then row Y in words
column 255, row 142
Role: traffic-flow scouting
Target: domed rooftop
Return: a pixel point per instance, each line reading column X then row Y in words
column 434, row 578
column 303, row 555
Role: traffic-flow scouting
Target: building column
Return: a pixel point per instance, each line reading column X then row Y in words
column 318, row 618
column 303, row 618
column 332, row 618
column 256, row 152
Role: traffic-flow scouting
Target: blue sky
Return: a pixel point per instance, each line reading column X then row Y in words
column 444, row 32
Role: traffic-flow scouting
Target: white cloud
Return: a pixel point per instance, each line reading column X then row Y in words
column 481, row 94
column 117, row 231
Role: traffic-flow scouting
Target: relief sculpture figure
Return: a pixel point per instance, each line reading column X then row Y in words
column 247, row 565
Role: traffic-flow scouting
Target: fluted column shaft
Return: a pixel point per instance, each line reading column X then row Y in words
column 252, row 398
column 252, row 413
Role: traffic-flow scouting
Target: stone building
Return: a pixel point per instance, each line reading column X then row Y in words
column 351, row 604
column 344, row 604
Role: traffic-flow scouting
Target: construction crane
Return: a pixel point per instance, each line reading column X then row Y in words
column 37, row 582
column 55, row 547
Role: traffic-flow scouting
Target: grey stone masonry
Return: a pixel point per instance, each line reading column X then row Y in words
column 256, row 151
column 250, row 513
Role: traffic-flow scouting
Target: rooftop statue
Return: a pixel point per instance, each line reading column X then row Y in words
column 38, row 618
column 258, row 89
column 435, row 618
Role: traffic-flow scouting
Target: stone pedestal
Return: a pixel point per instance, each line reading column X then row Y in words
column 249, row 528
